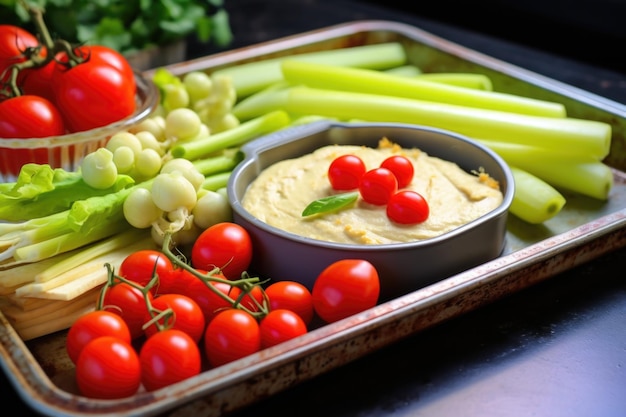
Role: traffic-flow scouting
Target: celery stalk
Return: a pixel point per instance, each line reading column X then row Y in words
column 216, row 164
column 467, row 80
column 535, row 155
column 404, row 71
column 216, row 181
column 233, row 137
column 332, row 77
column 534, row 201
column 251, row 77
column 69, row 241
column 591, row 137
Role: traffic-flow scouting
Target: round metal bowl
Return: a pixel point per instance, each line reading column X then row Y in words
column 403, row 267
column 67, row 151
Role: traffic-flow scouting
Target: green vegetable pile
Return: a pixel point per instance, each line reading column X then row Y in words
column 127, row 25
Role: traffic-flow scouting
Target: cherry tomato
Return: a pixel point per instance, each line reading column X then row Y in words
column 108, row 368
column 106, row 55
column 402, row 168
column 279, row 326
column 14, row 41
column 345, row 172
column 140, row 266
column 92, row 325
column 27, row 117
column 129, row 303
column 38, row 81
column 187, row 315
column 224, row 245
column 30, row 116
column 92, row 93
column 378, row 185
column 407, row 207
column 291, row 295
column 231, row 335
column 252, row 300
column 344, row 288
column 168, row 357
column 207, row 299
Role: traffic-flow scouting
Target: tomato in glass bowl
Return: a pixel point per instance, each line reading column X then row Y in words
column 67, row 150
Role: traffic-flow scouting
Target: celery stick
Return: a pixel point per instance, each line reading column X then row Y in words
column 404, row 71
column 217, row 164
column 534, row 201
column 467, row 80
column 216, row 181
column 535, row 154
column 251, row 77
column 247, row 108
column 233, row 137
column 332, row 77
column 587, row 136
column 93, row 251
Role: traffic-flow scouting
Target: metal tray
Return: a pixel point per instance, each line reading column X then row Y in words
column 585, row 230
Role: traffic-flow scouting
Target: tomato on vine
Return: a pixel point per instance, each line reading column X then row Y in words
column 227, row 246
column 167, row 357
column 92, row 325
column 279, row 326
column 108, row 368
column 291, row 295
column 185, row 315
column 92, row 93
column 231, row 335
column 14, row 44
column 129, row 303
column 140, row 266
column 344, row 288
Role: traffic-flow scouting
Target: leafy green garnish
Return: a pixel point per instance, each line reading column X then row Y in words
column 330, row 203
column 126, row 26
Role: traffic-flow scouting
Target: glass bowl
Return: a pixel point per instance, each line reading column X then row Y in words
column 67, row 151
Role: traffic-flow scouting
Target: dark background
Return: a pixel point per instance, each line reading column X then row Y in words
column 593, row 31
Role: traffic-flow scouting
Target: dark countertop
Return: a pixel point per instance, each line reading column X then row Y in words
column 555, row 349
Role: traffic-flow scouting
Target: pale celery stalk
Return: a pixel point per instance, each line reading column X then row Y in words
column 535, row 201
column 89, row 253
column 216, row 181
column 69, row 241
column 333, row 77
column 584, row 136
column 219, row 163
column 467, row 80
column 254, row 76
column 404, row 70
column 574, row 172
column 535, row 155
column 236, row 136
column 247, row 108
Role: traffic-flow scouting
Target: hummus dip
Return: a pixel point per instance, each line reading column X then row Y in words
column 282, row 191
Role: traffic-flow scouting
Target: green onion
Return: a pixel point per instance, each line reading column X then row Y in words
column 231, row 138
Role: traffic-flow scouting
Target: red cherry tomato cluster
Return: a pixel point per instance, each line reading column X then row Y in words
column 161, row 322
column 382, row 185
column 81, row 89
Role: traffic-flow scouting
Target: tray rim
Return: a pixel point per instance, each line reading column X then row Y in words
column 36, row 388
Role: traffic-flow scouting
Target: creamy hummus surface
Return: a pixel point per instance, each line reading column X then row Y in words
column 282, row 191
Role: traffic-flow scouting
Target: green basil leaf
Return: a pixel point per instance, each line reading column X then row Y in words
column 331, row 203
